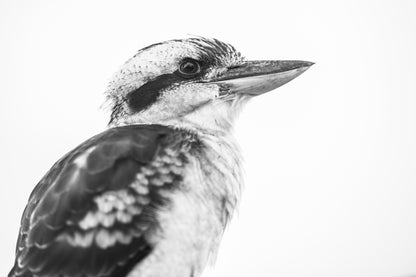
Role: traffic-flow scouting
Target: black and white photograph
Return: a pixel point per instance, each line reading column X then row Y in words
column 208, row 139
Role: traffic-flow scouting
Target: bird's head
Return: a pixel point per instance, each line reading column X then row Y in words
column 193, row 83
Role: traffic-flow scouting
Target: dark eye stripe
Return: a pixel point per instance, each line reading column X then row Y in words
column 147, row 94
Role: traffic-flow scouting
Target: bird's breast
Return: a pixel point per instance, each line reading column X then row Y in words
column 192, row 225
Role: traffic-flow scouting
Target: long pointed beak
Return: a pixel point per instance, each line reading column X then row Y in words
column 258, row 77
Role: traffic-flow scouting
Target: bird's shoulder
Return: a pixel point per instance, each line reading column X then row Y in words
column 90, row 213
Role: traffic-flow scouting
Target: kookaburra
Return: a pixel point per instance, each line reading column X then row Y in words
column 150, row 196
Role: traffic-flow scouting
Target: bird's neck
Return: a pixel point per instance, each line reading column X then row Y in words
column 211, row 119
column 215, row 119
column 207, row 120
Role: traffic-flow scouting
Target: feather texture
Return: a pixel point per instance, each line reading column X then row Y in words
column 90, row 214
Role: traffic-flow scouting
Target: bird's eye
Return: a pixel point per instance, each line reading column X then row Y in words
column 189, row 68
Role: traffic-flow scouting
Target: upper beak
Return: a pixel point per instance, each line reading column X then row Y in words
column 257, row 77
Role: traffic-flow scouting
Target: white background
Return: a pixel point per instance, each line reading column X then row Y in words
column 330, row 157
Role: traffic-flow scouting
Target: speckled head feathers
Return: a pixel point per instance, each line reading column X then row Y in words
column 152, row 72
column 198, row 80
column 216, row 52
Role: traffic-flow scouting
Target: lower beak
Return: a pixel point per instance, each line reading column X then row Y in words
column 258, row 77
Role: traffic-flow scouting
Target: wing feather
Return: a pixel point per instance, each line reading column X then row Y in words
column 89, row 214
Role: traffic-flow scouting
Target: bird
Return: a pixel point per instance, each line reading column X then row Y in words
column 151, row 195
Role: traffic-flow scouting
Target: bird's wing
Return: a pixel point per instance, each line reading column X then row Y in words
column 90, row 213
